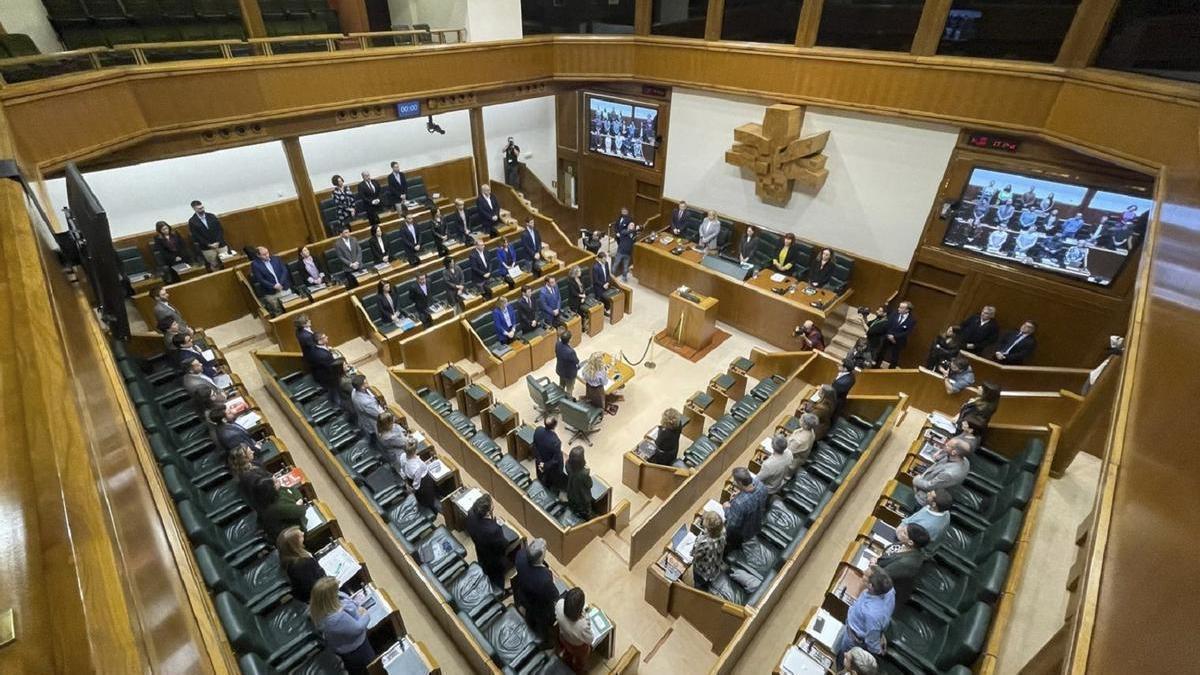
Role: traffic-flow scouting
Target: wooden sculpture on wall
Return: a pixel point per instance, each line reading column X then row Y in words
column 778, row 156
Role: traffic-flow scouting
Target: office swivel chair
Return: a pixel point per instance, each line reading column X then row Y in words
column 582, row 419
column 545, row 394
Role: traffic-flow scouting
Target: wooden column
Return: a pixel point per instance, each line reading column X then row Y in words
column 304, row 189
column 1082, row 43
column 479, row 146
column 810, row 22
column 352, row 15
column 252, row 21
column 643, row 16
column 929, row 30
column 714, row 19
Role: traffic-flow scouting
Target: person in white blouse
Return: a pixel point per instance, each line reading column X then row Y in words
column 574, row 629
column 710, row 228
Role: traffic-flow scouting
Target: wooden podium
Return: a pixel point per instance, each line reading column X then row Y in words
column 699, row 320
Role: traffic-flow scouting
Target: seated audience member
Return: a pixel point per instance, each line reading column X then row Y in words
column 843, row 382
column 456, row 284
column 899, row 324
column 869, row 616
column 186, row 350
column 548, row 456
column 958, row 374
column 489, row 210
column 418, row 295
column 487, row 534
column 823, row 407
column 393, row 439
column 527, row 311
column 775, row 468
column 786, row 257
column 398, row 186
column 811, row 338
column 934, row 516
column 343, row 203
column 822, row 271
column 533, row 587
column 271, row 278
column 579, row 484
column 983, row 406
column 903, row 559
column 532, row 240
column 371, row 196
column 277, row 509
column 367, row 406
column 710, row 229
column 666, row 440
column 948, row 471
column 310, row 268
column 945, row 347
column 164, row 309
column 677, row 217
column 410, row 241
column 504, row 322
column 708, row 552
column 385, row 295
column 348, row 250
column 203, row 389
column 601, row 282
column 566, row 363
column 574, row 629
column 302, row 569
column 207, row 235
column 595, row 381
column 342, row 624
column 800, row 441
column 420, row 481
column 550, row 304
column 748, row 245
column 745, row 509
column 171, row 249
column 859, row 661
column 327, row 368
column 1017, row 346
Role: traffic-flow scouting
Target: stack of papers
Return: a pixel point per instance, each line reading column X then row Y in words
column 438, row 470
column 777, row 277
column 248, row 421
column 942, row 423
column 465, row 499
column 236, row 405
column 600, row 624
column 339, row 564
column 796, row 662
column 683, row 542
column 208, row 355
column 715, row 506
column 865, row 558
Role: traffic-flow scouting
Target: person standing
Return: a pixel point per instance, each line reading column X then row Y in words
column 949, row 469
column 677, row 218
column 566, row 364
column 349, row 252
column 512, row 166
column 456, row 283
column 800, row 442
column 708, row 552
column 548, row 459
column 420, row 481
column 326, row 367
column 748, row 245
column 822, row 272
column 533, row 588
column 302, row 569
column 418, row 295
column 398, row 186
column 574, row 629
column 934, row 516
column 744, row 510
column 774, row 469
column 531, row 239
column 623, row 260
column 550, row 304
column 903, row 559
column 869, row 616
column 489, row 210
column 342, row 624
column 491, row 546
column 945, row 347
column 366, row 405
column 170, row 250
column 207, row 235
column 899, row 324
column 271, row 279
column 709, row 230
column 163, row 309
column 371, row 196
column 343, row 204
column 811, row 338
column 579, row 484
column 601, row 281
column 503, row 322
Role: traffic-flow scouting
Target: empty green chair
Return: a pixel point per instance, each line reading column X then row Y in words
column 259, row 586
column 545, row 394
column 983, row 507
column 965, row 545
column 926, row 642
column 324, row 662
column 994, row 469
column 237, row 541
column 204, row 469
column 284, row 638
column 582, row 419
column 220, row 503
column 409, row 521
column 943, row 589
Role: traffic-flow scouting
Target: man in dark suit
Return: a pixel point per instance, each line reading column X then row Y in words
column 491, row 546
column 566, row 363
column 979, row 330
column 418, row 295
column 349, row 251
column 305, row 336
column 1017, row 346
column 410, row 241
column 532, row 241
column 550, row 303
column 842, row 383
column 623, row 258
column 207, row 235
column 547, row 456
column 186, row 350
column 371, row 196
column 271, row 279
column 602, row 281
column 527, row 311
column 533, row 587
column 903, row 560
column 398, row 186
column 458, row 223
column 489, row 210
column 229, row 433
column 677, row 217
column 899, row 324
column 623, row 220
column 480, row 269
column 327, row 368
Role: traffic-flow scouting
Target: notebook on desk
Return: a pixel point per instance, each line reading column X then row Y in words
column 369, row 598
column 715, row 506
column 248, row 421
column 883, row 533
column 682, row 543
column 338, row 563
column 438, row 470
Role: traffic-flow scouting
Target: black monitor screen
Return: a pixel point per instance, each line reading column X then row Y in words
column 622, row 129
column 89, row 227
column 1085, row 232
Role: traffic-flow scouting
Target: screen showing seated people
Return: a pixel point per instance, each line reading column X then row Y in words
column 1080, row 231
column 622, row 129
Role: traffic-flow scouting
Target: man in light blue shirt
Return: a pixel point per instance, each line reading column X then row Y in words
column 935, row 515
column 959, row 376
column 868, row 617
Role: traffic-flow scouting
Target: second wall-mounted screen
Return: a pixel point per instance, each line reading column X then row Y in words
column 622, row 129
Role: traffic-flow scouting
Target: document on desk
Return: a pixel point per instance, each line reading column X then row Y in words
column 236, row 405
column 208, row 355
column 824, row 628
column 682, row 542
column 865, row 557
column 942, row 423
column 339, row 564
column 796, row 662
column 248, row 421
column 601, row 626
column 778, row 278
column 883, row 533
column 466, row 498
column 369, row 598
column 223, row 381
column 715, row 506
column 402, row 658
column 438, row 469
column 313, row 518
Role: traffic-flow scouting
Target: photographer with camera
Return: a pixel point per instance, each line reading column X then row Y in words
column 512, row 152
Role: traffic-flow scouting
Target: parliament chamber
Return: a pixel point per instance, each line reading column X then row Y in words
column 527, row 336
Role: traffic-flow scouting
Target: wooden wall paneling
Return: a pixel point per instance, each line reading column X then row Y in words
column 335, row 316
column 933, row 307
column 1087, row 32
column 566, row 114
column 305, row 197
column 930, row 27
column 603, row 190
column 479, row 146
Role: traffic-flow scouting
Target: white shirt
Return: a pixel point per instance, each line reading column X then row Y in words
column 415, row 470
column 577, row 632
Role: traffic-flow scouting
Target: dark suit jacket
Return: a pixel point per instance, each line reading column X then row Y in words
column 387, row 303
column 172, row 247
column 790, row 262
column 365, row 194
column 409, row 240
column 820, row 276
column 458, row 225
column 532, row 241
column 378, row 248
column 549, row 301
column 262, row 277
column 842, row 384
column 419, row 299
column 398, row 186
column 489, row 208
column 326, row 368
column 747, row 247
column 625, row 240
column 479, row 268
column 903, row 568
column 307, row 340
column 677, row 219
column 231, row 435
column 566, row 361
column 490, row 544
column 527, row 313
column 547, row 450
column 666, row 446
column 535, row 592
column 600, row 275
column 621, row 223
column 1019, row 353
column 898, row 330
column 204, row 237
column 979, row 335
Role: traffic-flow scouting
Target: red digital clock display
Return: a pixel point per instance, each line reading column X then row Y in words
column 991, row 142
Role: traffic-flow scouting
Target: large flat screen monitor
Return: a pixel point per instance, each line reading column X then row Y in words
column 622, row 129
column 88, row 224
column 1080, row 231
